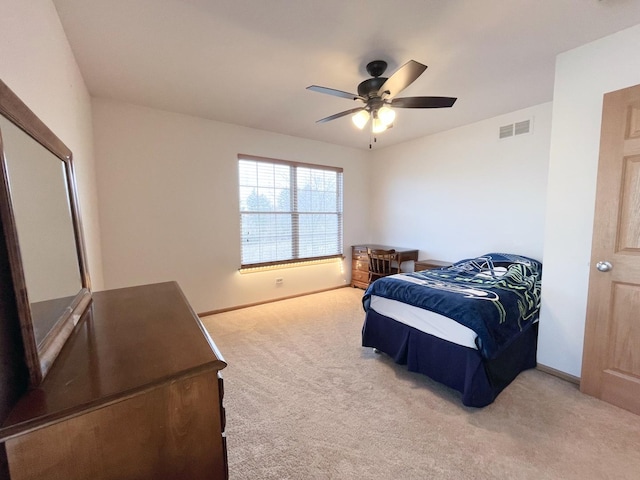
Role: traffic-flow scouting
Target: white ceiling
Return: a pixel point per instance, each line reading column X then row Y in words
column 248, row 62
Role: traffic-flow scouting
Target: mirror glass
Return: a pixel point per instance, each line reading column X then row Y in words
column 41, row 225
column 44, row 225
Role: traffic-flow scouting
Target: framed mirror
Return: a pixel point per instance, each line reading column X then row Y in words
column 41, row 224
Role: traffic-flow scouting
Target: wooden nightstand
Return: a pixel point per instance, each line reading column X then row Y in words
column 430, row 264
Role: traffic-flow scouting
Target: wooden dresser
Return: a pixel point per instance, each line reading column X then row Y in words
column 134, row 394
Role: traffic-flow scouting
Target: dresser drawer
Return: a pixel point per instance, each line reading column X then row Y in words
column 223, row 413
column 360, row 265
column 358, row 276
column 360, row 254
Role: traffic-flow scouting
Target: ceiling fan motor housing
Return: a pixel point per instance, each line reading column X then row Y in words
column 376, row 68
column 370, row 87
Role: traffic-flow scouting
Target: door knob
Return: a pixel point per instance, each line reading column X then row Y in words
column 604, row 266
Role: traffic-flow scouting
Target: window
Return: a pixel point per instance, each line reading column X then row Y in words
column 289, row 212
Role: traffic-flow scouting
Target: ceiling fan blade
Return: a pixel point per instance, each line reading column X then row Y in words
column 423, row 102
column 338, row 115
column 402, row 78
column 335, row 93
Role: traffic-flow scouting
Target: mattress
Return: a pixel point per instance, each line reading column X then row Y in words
column 426, row 321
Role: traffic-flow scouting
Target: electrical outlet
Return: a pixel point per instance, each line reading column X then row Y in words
column 279, row 281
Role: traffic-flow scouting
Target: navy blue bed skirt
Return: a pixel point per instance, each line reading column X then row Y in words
column 462, row 368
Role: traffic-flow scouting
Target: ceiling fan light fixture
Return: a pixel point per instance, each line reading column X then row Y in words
column 377, row 125
column 360, row 119
column 386, row 115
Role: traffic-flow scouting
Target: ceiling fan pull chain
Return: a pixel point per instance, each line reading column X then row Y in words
column 371, row 136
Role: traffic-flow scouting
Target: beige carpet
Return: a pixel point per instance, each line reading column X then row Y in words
column 305, row 401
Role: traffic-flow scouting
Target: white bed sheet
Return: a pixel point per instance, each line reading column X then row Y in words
column 425, row 321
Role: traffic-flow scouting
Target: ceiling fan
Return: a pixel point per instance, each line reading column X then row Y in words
column 378, row 94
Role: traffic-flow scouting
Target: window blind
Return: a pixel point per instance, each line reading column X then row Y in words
column 289, row 211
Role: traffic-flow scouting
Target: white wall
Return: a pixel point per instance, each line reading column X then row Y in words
column 464, row 192
column 169, row 204
column 583, row 76
column 37, row 63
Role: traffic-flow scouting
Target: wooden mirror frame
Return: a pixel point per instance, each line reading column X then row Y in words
column 39, row 357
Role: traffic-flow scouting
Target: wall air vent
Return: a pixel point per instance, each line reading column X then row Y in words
column 513, row 129
column 522, row 127
column 506, row 131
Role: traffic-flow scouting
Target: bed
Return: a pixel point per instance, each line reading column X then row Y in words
column 472, row 326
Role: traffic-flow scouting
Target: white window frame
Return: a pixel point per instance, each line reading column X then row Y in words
column 283, row 225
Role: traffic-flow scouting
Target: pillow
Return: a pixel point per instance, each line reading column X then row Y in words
column 497, row 264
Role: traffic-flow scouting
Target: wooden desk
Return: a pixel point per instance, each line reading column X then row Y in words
column 360, row 261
